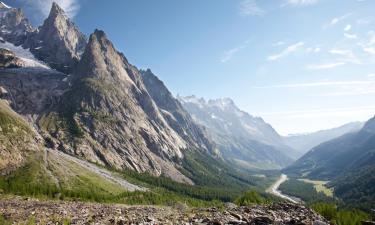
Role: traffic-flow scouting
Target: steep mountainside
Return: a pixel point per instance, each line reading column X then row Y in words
column 242, row 138
column 176, row 116
column 17, row 139
column 348, row 161
column 304, row 142
column 112, row 118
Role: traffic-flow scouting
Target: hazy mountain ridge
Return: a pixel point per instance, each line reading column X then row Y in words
column 241, row 137
column 346, row 161
column 304, row 142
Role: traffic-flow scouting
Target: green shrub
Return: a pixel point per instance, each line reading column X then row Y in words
column 250, row 198
column 340, row 217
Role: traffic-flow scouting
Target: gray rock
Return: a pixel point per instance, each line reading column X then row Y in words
column 58, row 42
column 9, row 60
column 14, row 26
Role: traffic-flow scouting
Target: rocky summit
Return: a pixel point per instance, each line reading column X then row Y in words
column 40, row 212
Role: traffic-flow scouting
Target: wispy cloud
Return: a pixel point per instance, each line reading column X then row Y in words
column 346, row 55
column 228, row 55
column 279, row 43
column 250, row 8
column 300, row 2
column 325, row 66
column 350, row 36
column 43, row 7
column 321, row 84
column 368, row 44
column 337, row 20
column 287, row 51
column 313, row 49
column 319, row 113
column 370, row 50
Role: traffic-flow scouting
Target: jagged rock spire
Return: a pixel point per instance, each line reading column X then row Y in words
column 58, row 41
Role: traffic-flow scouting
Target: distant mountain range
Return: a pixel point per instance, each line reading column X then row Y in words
column 245, row 140
column 305, row 142
column 347, row 161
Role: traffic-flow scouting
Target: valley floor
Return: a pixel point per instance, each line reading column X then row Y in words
column 19, row 211
column 274, row 189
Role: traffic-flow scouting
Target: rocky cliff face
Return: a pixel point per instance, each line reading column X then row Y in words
column 14, row 27
column 58, row 42
column 9, row 60
column 176, row 116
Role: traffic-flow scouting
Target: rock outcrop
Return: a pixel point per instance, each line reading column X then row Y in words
column 14, row 27
column 9, row 60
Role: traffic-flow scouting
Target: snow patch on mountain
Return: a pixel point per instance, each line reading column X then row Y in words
column 24, row 54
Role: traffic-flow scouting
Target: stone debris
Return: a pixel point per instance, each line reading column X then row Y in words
column 56, row 212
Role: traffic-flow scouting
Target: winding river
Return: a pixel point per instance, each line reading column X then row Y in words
column 274, row 189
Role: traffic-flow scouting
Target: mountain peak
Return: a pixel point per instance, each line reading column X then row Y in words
column 58, row 42
column 56, row 10
column 99, row 34
column 370, row 125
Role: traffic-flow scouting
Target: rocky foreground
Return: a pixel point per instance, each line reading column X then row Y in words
column 53, row 212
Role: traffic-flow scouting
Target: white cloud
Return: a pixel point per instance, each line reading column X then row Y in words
column 322, row 84
column 346, row 55
column 228, row 55
column 250, row 8
column 364, row 21
column 280, row 43
column 290, row 49
column 313, row 50
column 71, row 7
column 350, row 36
column 368, row 44
column 300, row 2
column 337, row 20
column 324, row 112
column 348, row 28
column 370, row 50
column 325, row 66
column 334, row 113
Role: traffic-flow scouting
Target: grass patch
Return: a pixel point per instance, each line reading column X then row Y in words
column 320, row 186
column 303, row 190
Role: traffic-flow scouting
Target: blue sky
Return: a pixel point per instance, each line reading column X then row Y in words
column 302, row 65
